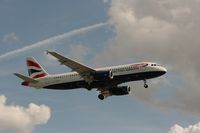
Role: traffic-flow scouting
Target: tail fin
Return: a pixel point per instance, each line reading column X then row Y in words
column 35, row 70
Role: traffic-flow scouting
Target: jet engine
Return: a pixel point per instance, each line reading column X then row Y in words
column 117, row 91
column 103, row 75
column 121, row 90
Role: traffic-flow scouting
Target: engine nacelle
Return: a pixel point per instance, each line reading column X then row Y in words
column 122, row 90
column 103, row 75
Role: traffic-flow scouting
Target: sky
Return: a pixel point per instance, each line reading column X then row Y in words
column 101, row 33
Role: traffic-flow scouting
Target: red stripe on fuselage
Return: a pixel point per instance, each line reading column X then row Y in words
column 140, row 65
column 31, row 63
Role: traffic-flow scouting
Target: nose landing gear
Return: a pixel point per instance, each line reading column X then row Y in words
column 145, row 84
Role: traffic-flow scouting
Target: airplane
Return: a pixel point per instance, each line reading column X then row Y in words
column 106, row 80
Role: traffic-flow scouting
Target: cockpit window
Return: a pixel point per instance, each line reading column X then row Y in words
column 154, row 64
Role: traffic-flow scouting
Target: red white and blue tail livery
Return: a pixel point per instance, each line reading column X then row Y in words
column 35, row 70
column 106, row 80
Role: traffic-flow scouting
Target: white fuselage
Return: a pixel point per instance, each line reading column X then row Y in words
column 148, row 69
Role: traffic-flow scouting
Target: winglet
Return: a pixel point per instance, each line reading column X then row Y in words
column 47, row 51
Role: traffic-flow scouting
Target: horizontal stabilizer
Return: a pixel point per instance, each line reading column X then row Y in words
column 25, row 78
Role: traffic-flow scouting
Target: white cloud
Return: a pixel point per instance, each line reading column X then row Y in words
column 190, row 129
column 10, row 38
column 20, row 119
column 166, row 32
column 51, row 40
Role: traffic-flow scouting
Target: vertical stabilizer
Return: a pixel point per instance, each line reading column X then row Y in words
column 35, row 70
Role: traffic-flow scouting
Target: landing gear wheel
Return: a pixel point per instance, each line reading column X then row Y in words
column 146, row 86
column 101, row 97
column 89, row 88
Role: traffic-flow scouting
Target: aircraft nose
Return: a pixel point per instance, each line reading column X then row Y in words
column 164, row 70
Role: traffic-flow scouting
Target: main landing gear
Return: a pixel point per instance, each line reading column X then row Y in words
column 145, row 84
column 101, row 96
column 89, row 88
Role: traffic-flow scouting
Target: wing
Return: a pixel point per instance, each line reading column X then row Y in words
column 83, row 70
